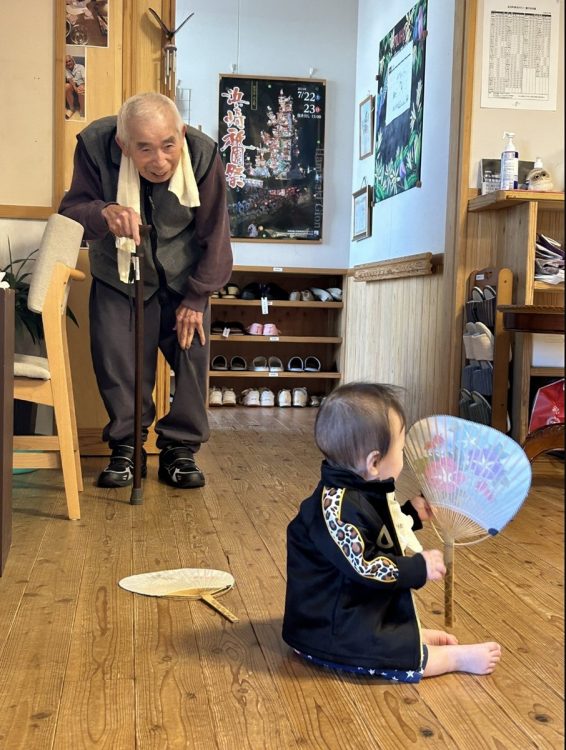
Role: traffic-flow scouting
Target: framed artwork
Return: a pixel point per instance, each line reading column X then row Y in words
column 366, row 127
column 361, row 211
column 271, row 140
column 86, row 23
column 399, row 105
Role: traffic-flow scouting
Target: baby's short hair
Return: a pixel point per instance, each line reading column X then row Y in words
column 353, row 421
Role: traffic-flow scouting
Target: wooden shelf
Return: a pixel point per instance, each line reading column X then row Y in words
column 294, row 375
column 286, row 270
column 501, row 231
column 547, row 372
column 540, row 286
column 222, row 301
column 505, row 198
column 277, row 339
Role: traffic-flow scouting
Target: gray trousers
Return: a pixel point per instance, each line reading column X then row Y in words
column 112, row 325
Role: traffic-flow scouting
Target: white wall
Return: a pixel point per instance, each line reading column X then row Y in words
column 271, row 38
column 414, row 221
column 538, row 133
column 24, row 237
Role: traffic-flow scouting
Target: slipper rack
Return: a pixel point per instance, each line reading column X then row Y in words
column 484, row 393
column 304, row 331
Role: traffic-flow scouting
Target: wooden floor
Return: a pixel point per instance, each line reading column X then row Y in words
column 85, row 664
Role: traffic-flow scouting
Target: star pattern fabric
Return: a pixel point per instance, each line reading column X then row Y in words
column 395, row 675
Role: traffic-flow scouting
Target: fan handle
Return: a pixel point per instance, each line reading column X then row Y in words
column 449, row 583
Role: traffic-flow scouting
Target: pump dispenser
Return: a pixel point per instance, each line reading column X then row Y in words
column 509, row 164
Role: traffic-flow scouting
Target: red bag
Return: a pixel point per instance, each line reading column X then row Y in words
column 548, row 407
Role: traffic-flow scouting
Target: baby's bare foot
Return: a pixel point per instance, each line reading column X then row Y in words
column 479, row 658
column 438, row 638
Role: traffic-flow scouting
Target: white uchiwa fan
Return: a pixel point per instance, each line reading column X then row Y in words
column 185, row 583
column 474, row 478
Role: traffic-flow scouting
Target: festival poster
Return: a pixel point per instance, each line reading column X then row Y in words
column 271, row 140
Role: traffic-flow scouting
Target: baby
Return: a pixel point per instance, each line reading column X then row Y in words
column 349, row 603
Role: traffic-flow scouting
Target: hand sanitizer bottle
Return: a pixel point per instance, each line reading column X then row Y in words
column 509, row 164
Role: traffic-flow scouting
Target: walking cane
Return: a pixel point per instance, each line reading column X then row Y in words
column 136, row 498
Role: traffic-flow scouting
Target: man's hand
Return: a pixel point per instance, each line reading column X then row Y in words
column 188, row 321
column 123, row 221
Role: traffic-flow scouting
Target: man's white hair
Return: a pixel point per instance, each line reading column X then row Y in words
column 144, row 107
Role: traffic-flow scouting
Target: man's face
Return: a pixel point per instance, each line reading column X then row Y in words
column 155, row 146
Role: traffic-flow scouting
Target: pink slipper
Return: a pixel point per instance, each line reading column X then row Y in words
column 270, row 329
column 255, row 329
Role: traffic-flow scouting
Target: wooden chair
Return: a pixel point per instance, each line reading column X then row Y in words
column 47, row 380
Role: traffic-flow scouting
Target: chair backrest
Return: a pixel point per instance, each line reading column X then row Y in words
column 61, row 243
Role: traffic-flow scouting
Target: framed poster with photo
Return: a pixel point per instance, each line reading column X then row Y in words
column 399, row 105
column 361, row 212
column 366, row 127
column 271, row 140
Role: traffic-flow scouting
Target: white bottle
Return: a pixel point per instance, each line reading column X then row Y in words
column 509, row 164
column 538, row 163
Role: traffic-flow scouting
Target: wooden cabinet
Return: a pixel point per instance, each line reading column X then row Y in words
column 501, row 231
column 306, row 329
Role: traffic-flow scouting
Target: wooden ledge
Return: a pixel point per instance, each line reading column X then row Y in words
column 424, row 264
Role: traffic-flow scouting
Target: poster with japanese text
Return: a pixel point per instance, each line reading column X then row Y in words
column 399, row 105
column 271, row 140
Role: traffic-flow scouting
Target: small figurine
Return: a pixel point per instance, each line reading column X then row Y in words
column 539, row 179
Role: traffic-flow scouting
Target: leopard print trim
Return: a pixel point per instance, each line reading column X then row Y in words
column 348, row 538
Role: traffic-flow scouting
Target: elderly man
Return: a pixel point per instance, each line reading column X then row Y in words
column 147, row 167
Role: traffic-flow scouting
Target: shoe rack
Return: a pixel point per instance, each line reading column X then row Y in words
column 306, row 329
column 501, row 231
column 485, row 376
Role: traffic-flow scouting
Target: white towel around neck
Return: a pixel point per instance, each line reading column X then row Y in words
column 182, row 184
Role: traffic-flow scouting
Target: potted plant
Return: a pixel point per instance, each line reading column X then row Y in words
column 15, row 276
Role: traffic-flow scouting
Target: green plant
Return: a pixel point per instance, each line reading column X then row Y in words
column 18, row 280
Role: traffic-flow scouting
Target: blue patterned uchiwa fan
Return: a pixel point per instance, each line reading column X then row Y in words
column 474, row 478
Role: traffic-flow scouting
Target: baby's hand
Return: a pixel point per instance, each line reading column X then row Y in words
column 422, row 507
column 435, row 568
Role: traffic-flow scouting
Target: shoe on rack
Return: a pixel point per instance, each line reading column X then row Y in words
column 250, row 397
column 259, row 364
column 314, row 401
column 270, row 329
column 215, row 396
column 177, row 467
column 120, row 469
column 307, row 296
column 219, row 362
column 266, row 397
column 284, row 397
column 335, row 293
column 228, row 397
column 300, row 396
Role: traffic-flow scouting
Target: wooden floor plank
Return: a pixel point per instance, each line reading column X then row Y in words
column 99, row 691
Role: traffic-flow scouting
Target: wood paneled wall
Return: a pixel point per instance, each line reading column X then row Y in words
column 396, row 332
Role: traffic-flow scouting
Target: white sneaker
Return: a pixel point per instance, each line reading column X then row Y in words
column 284, row 397
column 250, row 397
column 300, row 397
column 266, row 397
column 215, row 396
column 228, row 397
